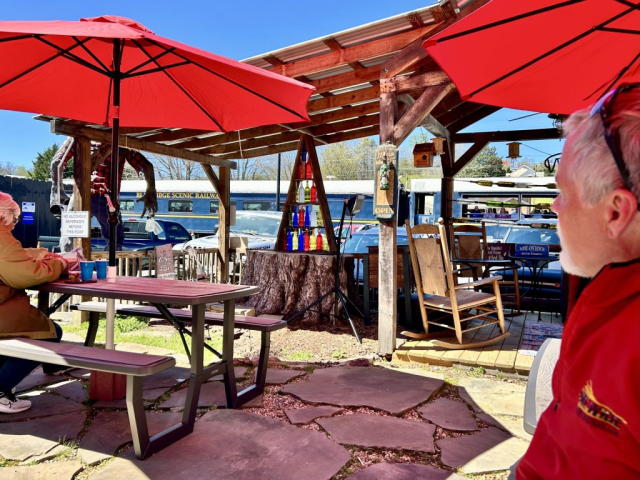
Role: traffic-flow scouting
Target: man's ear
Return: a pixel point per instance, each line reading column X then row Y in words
column 621, row 206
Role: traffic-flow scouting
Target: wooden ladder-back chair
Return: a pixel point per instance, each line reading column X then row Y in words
column 438, row 292
column 470, row 242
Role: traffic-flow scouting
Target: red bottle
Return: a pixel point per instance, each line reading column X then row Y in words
column 309, row 174
column 301, row 170
column 301, row 216
column 314, row 193
column 307, row 242
column 319, row 241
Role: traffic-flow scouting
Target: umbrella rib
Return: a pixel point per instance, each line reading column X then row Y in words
column 618, row 76
column 156, row 70
column 509, row 20
column 181, row 87
column 13, row 39
column 550, row 52
column 35, row 67
column 628, row 4
column 153, row 59
column 242, row 86
column 74, row 58
column 620, row 30
column 84, row 47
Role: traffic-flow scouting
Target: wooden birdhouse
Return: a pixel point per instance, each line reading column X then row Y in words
column 423, row 154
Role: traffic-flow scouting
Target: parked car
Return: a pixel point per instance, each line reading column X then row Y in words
column 135, row 236
column 350, row 229
column 260, row 227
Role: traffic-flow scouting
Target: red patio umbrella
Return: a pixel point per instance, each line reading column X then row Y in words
column 541, row 55
column 114, row 71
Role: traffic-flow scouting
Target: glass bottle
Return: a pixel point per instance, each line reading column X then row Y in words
column 307, row 217
column 319, row 218
column 319, row 242
column 384, row 175
column 290, row 215
column 294, row 240
column 314, row 193
column 301, row 169
column 313, row 221
column 309, row 174
column 301, row 216
column 294, row 221
column 301, row 193
column 301, row 241
column 307, row 241
column 307, row 193
column 289, row 240
column 312, row 240
column 325, row 244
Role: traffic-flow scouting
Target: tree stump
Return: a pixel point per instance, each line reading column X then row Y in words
column 290, row 281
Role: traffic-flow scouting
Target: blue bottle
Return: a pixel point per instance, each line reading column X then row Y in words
column 307, row 217
column 289, row 240
column 301, row 241
column 295, row 216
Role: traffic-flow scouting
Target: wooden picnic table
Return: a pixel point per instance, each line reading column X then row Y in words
column 160, row 293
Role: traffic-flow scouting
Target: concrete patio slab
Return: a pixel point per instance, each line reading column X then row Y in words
column 513, row 425
column 44, row 405
column 154, row 393
column 382, row 432
column 22, row 440
column 211, row 393
column 110, row 430
column 257, row 402
column 239, row 371
column 50, row 455
column 237, row 445
column 277, row 376
column 404, row 471
column 46, row 471
column 449, row 414
column 81, row 373
column 487, row 451
column 36, row 379
column 492, row 396
column 380, row 388
column 303, row 416
column 71, row 389
column 167, row 378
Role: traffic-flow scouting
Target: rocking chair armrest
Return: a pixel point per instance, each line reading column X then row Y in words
column 477, row 283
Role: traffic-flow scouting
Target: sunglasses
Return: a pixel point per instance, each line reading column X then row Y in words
column 605, row 107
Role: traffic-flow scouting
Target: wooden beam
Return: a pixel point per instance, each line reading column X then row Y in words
column 418, row 111
column 276, row 62
column 414, row 51
column 434, row 127
column 173, row 135
column 213, row 178
column 469, row 155
column 332, row 43
column 411, row 83
column 302, row 130
column 374, row 48
column 508, row 136
column 82, row 187
column 104, row 150
column 61, row 128
column 344, row 99
column 473, row 117
column 224, row 221
column 348, row 79
column 415, row 19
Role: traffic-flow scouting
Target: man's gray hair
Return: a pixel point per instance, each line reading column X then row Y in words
column 597, row 173
column 9, row 210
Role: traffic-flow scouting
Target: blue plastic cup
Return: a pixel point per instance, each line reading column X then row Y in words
column 101, row 268
column 86, row 271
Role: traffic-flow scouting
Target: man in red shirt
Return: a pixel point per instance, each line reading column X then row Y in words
column 591, row 430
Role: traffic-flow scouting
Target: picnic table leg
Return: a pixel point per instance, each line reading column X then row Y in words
column 137, row 419
column 197, row 366
column 257, row 388
column 94, row 322
column 227, row 353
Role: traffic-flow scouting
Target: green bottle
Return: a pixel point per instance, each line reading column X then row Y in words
column 307, row 192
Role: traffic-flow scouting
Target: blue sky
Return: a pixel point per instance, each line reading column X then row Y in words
column 237, row 30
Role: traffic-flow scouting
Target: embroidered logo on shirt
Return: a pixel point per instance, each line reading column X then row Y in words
column 598, row 414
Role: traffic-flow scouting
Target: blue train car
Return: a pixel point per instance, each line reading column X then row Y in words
column 194, row 203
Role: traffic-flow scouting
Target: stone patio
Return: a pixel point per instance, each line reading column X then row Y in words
column 339, row 422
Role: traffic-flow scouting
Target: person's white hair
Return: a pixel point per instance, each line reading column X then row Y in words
column 9, row 210
column 597, row 173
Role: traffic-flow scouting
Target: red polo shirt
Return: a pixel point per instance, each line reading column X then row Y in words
column 591, row 430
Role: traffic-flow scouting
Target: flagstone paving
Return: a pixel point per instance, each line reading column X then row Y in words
column 381, row 388
column 22, row 440
column 381, row 432
column 449, row 414
column 323, row 421
column 404, row 471
column 304, row 416
column 36, row 379
column 236, row 445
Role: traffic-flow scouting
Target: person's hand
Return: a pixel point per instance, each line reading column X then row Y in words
column 150, row 199
column 99, row 182
column 72, row 264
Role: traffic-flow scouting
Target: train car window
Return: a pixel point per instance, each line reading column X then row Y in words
column 182, row 206
column 214, row 207
column 127, row 205
column 256, row 205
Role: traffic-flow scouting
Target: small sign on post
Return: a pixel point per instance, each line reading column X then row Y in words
column 165, row 267
column 75, row 224
column 28, row 212
column 385, row 190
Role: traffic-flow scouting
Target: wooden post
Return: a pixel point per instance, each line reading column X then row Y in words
column 446, row 189
column 82, row 202
column 224, row 221
column 387, row 259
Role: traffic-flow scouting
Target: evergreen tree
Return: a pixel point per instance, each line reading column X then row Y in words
column 486, row 164
column 42, row 164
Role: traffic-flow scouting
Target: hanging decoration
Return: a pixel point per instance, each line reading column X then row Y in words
column 505, row 184
column 386, row 182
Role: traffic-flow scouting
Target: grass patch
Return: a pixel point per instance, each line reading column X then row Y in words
column 297, row 356
column 339, row 355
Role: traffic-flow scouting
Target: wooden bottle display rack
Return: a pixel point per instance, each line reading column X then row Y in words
column 306, row 143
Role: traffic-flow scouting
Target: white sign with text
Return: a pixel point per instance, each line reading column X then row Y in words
column 75, row 224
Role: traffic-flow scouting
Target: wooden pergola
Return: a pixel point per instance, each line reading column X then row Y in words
column 375, row 79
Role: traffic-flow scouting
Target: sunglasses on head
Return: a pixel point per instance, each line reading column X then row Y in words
column 605, row 107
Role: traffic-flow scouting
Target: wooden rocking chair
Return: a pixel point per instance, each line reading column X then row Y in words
column 439, row 293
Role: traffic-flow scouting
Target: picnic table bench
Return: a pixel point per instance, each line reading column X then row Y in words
column 179, row 317
column 134, row 365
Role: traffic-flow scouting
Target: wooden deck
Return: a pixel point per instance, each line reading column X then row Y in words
column 503, row 356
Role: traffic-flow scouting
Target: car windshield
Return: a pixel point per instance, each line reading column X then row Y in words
column 256, row 225
column 359, row 243
column 533, row 235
